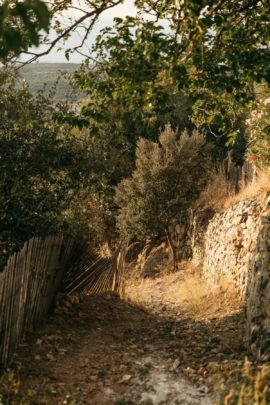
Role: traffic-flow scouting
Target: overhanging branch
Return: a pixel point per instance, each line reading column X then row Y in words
column 91, row 15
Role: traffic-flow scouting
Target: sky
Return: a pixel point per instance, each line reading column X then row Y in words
column 106, row 19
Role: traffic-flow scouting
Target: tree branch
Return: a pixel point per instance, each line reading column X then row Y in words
column 94, row 14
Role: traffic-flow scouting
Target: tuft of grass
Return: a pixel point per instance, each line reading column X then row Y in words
column 143, row 371
column 202, row 300
column 241, row 385
column 192, row 292
column 218, row 190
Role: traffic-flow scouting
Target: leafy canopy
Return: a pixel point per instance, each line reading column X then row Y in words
column 133, row 58
column 224, row 47
column 215, row 51
column 20, row 23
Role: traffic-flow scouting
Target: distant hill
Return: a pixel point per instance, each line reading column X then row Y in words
column 38, row 75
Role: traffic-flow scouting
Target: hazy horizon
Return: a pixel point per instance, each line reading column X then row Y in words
column 106, row 19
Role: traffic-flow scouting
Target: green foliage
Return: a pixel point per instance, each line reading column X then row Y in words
column 12, row 394
column 167, row 179
column 111, row 156
column 258, row 134
column 224, row 44
column 44, row 170
column 215, row 51
column 132, row 60
column 131, row 76
column 128, row 97
column 228, row 53
column 145, row 72
column 20, row 23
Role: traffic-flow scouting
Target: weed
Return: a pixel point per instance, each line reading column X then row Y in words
column 12, row 394
column 143, row 371
column 238, row 317
column 101, row 373
column 246, row 385
column 217, row 191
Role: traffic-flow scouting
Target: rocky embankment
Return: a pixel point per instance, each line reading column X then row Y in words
column 234, row 247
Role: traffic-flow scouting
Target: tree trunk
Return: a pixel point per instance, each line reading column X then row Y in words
column 173, row 250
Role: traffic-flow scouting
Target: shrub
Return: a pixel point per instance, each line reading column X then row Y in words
column 167, row 178
column 12, row 394
column 258, row 134
column 43, row 170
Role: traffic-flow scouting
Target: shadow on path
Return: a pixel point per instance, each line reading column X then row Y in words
column 105, row 351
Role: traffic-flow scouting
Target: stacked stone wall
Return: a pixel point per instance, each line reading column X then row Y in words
column 235, row 245
column 229, row 242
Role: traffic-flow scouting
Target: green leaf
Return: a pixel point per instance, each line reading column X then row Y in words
column 42, row 14
column 12, row 38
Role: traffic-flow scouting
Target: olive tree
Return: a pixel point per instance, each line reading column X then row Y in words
column 168, row 177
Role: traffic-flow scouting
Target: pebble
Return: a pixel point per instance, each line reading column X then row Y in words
column 190, row 370
column 176, row 363
column 50, row 356
column 126, row 378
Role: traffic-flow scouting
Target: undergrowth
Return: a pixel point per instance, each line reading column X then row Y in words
column 219, row 194
column 241, row 385
column 11, row 393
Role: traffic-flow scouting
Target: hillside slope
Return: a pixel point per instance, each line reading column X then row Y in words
column 38, row 75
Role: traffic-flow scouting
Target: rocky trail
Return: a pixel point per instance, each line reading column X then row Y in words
column 104, row 350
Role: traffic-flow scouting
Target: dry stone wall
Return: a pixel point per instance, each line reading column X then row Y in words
column 228, row 243
column 235, row 245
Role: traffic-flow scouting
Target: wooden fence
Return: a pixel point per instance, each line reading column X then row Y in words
column 31, row 278
column 239, row 176
column 102, row 274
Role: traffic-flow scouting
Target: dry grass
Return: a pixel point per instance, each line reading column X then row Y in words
column 104, row 251
column 192, row 293
column 218, row 190
column 201, row 301
column 188, row 290
column 260, row 188
column 219, row 194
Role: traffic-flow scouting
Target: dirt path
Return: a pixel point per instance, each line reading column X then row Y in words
column 106, row 351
